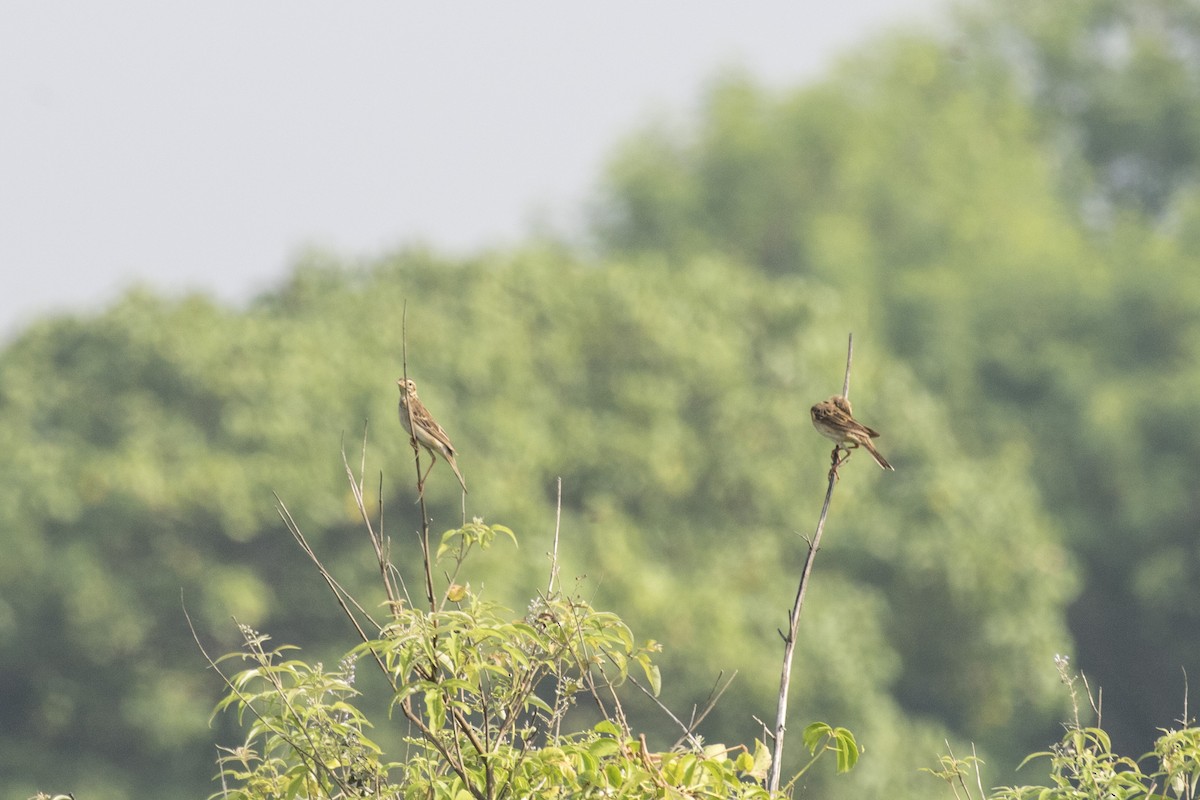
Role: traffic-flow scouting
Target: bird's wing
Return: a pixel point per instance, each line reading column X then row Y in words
column 837, row 416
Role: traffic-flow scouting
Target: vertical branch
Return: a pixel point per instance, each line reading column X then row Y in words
column 378, row 540
column 387, row 547
column 789, row 641
column 849, row 358
column 554, row 554
column 424, row 533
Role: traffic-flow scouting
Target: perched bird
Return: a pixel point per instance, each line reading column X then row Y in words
column 422, row 427
column 835, row 420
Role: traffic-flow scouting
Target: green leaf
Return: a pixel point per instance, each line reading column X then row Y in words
column 653, row 676
column 607, row 727
column 435, row 710
column 762, row 760
column 847, row 750
column 814, row 734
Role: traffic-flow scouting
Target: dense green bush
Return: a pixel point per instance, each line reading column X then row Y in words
column 486, row 700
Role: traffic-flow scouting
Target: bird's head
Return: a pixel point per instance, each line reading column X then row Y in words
column 407, row 389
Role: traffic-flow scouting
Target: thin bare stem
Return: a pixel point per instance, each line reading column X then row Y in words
column 1096, row 701
column 387, row 549
column 1185, row 721
column 789, row 641
column 849, row 358
column 714, row 697
column 377, row 540
column 343, row 597
column 424, row 532
column 957, row 765
column 687, row 729
column 978, row 774
column 554, row 552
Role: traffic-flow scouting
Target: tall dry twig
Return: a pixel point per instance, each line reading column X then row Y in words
column 849, row 358
column 424, row 532
column 789, row 641
column 554, row 553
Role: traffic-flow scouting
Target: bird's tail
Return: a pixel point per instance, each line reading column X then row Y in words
column 458, row 474
column 875, row 454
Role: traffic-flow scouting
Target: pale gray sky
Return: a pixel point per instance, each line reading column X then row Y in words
column 202, row 145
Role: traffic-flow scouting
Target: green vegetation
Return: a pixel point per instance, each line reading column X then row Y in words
column 1083, row 764
column 484, row 700
column 1006, row 216
column 679, row 503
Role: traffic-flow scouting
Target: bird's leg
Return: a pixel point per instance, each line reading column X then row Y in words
column 432, row 461
column 416, row 453
column 835, row 462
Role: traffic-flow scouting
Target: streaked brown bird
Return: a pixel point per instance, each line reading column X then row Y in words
column 424, row 428
column 834, row 419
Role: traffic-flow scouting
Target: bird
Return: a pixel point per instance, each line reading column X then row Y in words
column 834, row 419
column 423, row 428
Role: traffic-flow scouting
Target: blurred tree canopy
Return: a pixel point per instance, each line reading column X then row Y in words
column 1004, row 213
column 1014, row 208
column 672, row 400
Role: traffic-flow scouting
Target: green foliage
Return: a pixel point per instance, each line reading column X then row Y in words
column 675, row 412
column 485, row 699
column 1006, row 216
column 1115, row 87
column 820, row 737
column 1083, row 765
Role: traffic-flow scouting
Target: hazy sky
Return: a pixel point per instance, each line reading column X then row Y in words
column 202, row 145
